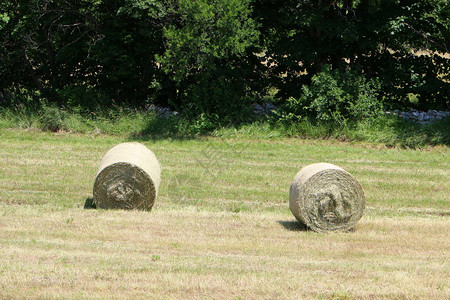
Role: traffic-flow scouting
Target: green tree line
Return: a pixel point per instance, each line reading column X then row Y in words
column 217, row 57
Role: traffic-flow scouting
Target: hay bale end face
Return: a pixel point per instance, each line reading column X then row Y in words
column 128, row 178
column 325, row 197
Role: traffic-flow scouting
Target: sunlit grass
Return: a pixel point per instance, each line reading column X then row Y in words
column 221, row 227
column 58, row 169
column 184, row 253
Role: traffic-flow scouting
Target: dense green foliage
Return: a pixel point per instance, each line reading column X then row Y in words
column 206, row 56
column 334, row 96
column 83, row 53
column 377, row 38
column 210, row 60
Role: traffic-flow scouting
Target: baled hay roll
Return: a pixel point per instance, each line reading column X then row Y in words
column 128, row 178
column 325, row 197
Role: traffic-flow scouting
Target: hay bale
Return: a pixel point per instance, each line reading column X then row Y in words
column 128, row 178
column 325, row 197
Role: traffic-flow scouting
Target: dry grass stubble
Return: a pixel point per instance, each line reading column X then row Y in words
column 235, row 240
column 190, row 254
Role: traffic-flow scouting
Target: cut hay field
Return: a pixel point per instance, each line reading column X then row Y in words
column 221, row 227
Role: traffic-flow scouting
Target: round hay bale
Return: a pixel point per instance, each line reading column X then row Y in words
column 325, row 197
column 128, row 178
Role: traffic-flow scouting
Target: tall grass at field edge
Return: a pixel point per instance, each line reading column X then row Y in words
column 138, row 124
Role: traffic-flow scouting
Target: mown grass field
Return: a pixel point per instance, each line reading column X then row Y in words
column 221, row 227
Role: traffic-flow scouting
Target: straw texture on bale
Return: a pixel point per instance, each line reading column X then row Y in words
column 325, row 197
column 128, row 178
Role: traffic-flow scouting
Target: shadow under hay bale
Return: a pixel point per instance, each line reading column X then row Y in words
column 293, row 225
column 128, row 178
column 325, row 197
column 89, row 204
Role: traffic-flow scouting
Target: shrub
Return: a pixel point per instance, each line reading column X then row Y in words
column 52, row 118
column 204, row 124
column 217, row 99
column 81, row 96
column 335, row 97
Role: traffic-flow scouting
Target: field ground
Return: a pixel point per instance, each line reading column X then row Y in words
column 221, row 227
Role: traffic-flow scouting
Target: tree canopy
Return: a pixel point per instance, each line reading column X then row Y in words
column 217, row 57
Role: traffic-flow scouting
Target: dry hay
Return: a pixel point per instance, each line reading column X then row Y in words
column 325, row 197
column 128, row 177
